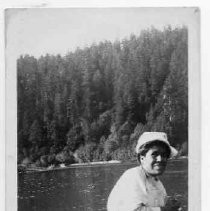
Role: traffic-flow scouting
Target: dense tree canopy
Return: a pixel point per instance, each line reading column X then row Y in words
column 95, row 102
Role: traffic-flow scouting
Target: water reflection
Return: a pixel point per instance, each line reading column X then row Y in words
column 85, row 188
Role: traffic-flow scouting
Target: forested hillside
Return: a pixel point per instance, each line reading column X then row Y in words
column 92, row 104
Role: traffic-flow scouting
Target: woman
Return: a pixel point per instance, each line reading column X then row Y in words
column 139, row 188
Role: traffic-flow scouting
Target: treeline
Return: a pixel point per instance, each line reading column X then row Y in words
column 92, row 104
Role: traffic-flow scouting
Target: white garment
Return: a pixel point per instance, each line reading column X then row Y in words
column 135, row 191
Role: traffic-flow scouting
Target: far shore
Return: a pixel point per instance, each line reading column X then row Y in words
column 29, row 169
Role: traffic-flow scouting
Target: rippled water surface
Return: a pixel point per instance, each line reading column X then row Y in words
column 87, row 187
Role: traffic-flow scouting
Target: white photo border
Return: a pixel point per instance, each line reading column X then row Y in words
column 194, row 111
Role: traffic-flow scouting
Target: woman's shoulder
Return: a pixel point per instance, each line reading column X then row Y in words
column 132, row 170
column 135, row 170
column 132, row 173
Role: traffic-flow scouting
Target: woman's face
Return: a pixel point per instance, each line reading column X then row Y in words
column 155, row 160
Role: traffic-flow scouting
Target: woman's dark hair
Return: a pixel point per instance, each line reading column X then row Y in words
column 146, row 147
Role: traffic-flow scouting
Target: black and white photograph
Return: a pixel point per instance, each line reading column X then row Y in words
column 104, row 104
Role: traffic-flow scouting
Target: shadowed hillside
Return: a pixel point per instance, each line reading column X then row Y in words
column 93, row 104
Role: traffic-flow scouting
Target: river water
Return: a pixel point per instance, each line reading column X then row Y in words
column 86, row 188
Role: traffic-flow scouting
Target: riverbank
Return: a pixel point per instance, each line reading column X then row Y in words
column 28, row 169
